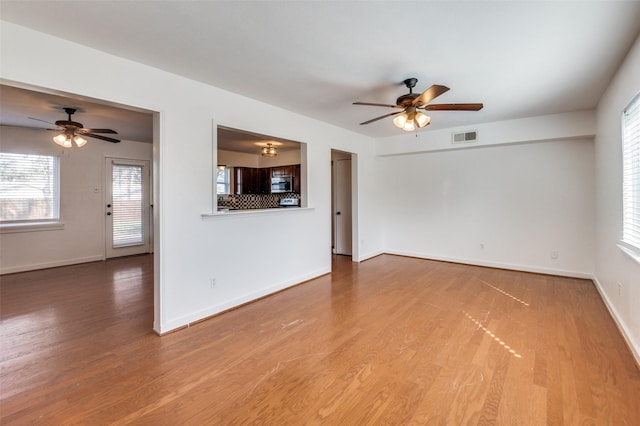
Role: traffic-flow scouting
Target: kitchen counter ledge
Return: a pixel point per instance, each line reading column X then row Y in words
column 253, row 212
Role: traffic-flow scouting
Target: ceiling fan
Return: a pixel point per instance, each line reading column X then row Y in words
column 409, row 116
column 73, row 131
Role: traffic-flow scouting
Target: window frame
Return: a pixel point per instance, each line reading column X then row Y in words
column 630, row 226
column 26, row 225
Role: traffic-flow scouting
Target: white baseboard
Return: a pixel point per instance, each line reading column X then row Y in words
column 633, row 346
column 499, row 265
column 221, row 307
column 370, row 255
column 45, row 265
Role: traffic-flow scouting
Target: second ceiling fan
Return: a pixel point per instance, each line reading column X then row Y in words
column 409, row 117
column 73, row 131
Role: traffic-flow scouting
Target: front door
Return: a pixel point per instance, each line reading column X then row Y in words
column 127, row 210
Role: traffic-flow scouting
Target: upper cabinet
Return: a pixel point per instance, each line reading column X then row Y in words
column 251, row 180
column 282, row 171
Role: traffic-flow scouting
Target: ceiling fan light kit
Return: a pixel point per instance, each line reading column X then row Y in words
column 64, row 140
column 410, row 117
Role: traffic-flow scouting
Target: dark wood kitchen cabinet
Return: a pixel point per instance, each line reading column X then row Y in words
column 264, row 181
column 250, row 180
column 296, row 178
column 286, row 171
column 282, row 171
column 246, row 179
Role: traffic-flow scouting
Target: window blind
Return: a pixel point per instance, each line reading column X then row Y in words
column 127, row 208
column 631, row 174
column 223, row 181
column 29, row 188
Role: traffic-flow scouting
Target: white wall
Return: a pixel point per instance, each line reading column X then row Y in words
column 237, row 159
column 81, row 208
column 612, row 266
column 284, row 158
column 237, row 250
column 243, row 159
column 509, row 206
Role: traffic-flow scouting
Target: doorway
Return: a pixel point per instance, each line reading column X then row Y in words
column 127, row 207
column 341, row 203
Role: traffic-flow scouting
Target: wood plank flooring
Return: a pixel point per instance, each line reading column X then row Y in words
column 392, row 340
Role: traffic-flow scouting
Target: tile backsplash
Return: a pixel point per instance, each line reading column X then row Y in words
column 253, row 201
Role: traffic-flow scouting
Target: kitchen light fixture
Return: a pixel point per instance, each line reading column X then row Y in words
column 269, row 150
column 411, row 118
column 64, row 140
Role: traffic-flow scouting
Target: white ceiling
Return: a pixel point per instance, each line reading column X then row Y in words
column 520, row 58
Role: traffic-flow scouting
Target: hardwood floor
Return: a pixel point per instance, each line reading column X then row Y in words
column 392, row 340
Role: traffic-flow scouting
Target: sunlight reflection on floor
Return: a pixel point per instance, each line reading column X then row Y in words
column 505, row 293
column 493, row 336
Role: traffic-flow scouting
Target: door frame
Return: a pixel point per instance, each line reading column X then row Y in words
column 355, row 252
column 147, row 207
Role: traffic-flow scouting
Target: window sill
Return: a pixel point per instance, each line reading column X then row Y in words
column 253, row 212
column 629, row 252
column 10, row 228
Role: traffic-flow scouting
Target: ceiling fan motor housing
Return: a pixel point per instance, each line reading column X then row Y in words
column 407, row 100
column 69, row 124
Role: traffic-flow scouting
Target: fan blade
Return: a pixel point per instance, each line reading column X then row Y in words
column 453, row 107
column 429, row 94
column 104, row 138
column 37, row 119
column 97, row 131
column 381, row 117
column 372, row 104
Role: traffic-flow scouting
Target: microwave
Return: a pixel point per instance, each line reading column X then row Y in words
column 281, row 184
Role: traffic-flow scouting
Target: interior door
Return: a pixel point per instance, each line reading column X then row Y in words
column 127, row 209
column 342, row 206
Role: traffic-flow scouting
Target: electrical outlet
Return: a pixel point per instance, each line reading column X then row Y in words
column 619, row 289
column 213, row 282
column 554, row 254
column 481, row 246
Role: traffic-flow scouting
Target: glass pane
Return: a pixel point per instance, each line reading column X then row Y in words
column 127, row 205
column 28, row 187
column 222, row 181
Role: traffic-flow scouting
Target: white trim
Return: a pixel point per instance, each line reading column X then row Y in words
column 368, row 256
column 55, row 264
column 475, row 262
column 203, row 314
column 629, row 251
column 252, row 212
column 10, row 228
column 634, row 349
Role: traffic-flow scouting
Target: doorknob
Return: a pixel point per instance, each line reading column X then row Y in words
column 337, row 213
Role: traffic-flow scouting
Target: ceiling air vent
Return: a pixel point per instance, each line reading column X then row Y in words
column 464, row 137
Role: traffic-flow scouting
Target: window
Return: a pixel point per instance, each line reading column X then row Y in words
column 29, row 188
column 223, row 182
column 631, row 174
column 127, row 186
